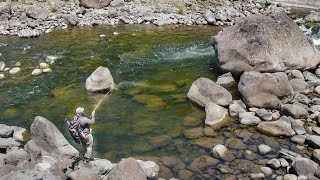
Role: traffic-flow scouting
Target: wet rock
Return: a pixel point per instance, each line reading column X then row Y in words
column 51, row 59
column 100, row 80
column 290, row 177
column 313, row 141
column 265, row 90
column 16, row 156
column 14, row 70
column 193, row 133
column 236, row 107
column 210, row 131
column 150, row 168
column 264, row 149
column 204, row 90
column 235, row 143
column 249, row 155
column 207, row 142
column 294, row 111
column 5, row 131
column 47, row 136
column 266, row 171
column 313, row 17
column 298, row 139
column 257, row 176
column 264, row 114
column 281, row 127
column 226, row 80
column 127, row 169
column 185, row 174
column 36, row 72
column 304, row 166
column 2, row 65
column 27, row 33
column 295, row 74
column 300, row 85
column 47, row 70
column 1, row 76
column 5, row 7
column 214, row 114
column 251, row 120
column 220, row 150
column 202, row 163
column 36, row 12
column 272, row 34
column 274, row 164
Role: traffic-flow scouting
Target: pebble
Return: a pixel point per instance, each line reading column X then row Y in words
column 274, row 163
column 266, row 171
column 264, row 149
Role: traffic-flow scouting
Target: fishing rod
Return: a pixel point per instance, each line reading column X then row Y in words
column 101, row 100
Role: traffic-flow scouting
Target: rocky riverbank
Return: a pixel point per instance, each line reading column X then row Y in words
column 32, row 18
column 48, row 155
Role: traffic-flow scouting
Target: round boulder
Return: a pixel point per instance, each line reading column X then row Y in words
column 100, row 80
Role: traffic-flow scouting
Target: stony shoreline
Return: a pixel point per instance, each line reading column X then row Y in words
column 32, row 18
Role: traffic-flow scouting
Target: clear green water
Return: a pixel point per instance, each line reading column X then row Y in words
column 153, row 67
column 148, row 115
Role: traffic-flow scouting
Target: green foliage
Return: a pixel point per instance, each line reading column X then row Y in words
column 53, row 8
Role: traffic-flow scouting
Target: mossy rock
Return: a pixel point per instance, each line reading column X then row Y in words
column 152, row 102
column 207, row 142
column 10, row 112
column 309, row 25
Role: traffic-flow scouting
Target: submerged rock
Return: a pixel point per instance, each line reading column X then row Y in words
column 204, row 90
column 36, row 72
column 100, row 80
column 14, row 70
column 265, row 44
column 295, row 111
column 281, row 127
column 265, row 90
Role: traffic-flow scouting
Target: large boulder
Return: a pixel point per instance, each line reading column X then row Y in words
column 100, row 80
column 265, row 90
column 97, row 4
column 36, row 12
column 5, row 7
column 127, row 169
column 265, row 44
column 204, row 90
column 49, row 139
column 281, row 127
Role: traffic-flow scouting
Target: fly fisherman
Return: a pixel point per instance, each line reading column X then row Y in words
column 86, row 139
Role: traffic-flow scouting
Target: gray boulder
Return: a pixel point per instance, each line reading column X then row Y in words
column 36, row 12
column 16, row 156
column 265, row 90
column 5, row 131
column 300, row 85
column 313, row 141
column 316, row 155
column 251, row 120
column 150, row 168
column 281, row 127
column 117, row 3
column 264, row 114
column 18, row 133
column 226, row 80
column 5, row 7
column 100, row 80
column 214, row 114
column 93, row 170
column 274, row 163
column 28, row 32
column 204, row 90
column 295, row 74
column 72, row 19
column 300, row 98
column 127, row 169
column 236, row 107
column 313, row 17
column 97, row 4
column 8, row 143
column 295, row 111
column 304, row 166
column 265, row 44
column 30, row 174
column 48, row 138
column 210, row 17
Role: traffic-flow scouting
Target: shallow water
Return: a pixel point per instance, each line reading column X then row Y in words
column 148, row 115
